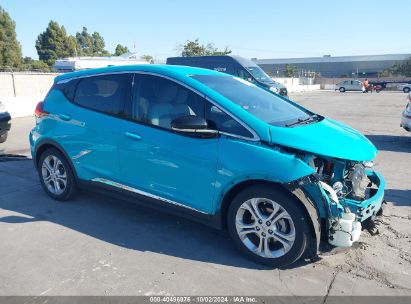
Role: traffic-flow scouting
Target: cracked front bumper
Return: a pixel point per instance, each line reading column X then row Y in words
column 370, row 206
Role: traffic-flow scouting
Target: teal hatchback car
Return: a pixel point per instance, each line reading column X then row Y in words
column 211, row 147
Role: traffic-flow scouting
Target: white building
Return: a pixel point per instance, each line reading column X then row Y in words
column 83, row 63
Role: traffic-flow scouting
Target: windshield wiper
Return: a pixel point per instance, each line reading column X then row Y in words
column 301, row 121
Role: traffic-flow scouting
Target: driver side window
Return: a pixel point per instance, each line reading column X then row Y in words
column 157, row 101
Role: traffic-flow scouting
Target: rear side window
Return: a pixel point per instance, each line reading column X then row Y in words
column 68, row 88
column 105, row 93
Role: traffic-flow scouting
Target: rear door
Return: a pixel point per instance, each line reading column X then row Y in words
column 88, row 125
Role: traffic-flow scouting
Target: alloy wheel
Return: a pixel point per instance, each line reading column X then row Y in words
column 265, row 227
column 54, row 174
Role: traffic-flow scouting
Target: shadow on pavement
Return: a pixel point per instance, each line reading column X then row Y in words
column 123, row 224
column 391, row 142
column 11, row 157
column 398, row 197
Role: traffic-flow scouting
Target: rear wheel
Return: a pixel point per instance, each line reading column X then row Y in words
column 342, row 90
column 406, row 90
column 55, row 174
column 268, row 225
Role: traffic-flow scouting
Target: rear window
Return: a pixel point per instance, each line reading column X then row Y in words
column 106, row 93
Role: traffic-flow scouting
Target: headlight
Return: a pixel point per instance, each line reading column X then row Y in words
column 274, row 89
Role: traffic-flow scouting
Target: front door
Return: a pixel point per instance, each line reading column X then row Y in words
column 159, row 162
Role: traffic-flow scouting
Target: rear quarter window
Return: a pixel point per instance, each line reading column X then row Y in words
column 68, row 88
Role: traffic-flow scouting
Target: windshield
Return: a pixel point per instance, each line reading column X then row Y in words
column 262, row 104
column 259, row 74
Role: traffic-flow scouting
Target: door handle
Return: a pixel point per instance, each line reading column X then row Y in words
column 64, row 117
column 133, row 136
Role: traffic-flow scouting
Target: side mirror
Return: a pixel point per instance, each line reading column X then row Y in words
column 192, row 124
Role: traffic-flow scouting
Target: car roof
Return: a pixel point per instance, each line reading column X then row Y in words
column 211, row 58
column 175, row 71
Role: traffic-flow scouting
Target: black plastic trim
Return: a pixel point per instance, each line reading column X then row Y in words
column 209, row 220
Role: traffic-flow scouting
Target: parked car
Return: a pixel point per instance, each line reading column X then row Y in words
column 349, row 85
column 4, row 123
column 406, row 115
column 210, row 147
column 233, row 65
column 406, row 88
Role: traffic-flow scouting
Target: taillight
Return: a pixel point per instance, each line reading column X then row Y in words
column 39, row 112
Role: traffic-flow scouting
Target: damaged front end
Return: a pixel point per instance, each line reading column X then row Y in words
column 344, row 188
column 346, row 193
column 353, row 193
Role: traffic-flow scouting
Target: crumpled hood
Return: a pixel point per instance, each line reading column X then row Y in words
column 328, row 138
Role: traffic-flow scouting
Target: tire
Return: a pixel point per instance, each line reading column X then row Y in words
column 56, row 175
column 406, row 90
column 289, row 220
column 3, row 137
column 342, row 89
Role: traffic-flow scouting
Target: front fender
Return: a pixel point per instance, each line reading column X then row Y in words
column 242, row 161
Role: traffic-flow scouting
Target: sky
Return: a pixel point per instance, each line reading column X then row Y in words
column 253, row 29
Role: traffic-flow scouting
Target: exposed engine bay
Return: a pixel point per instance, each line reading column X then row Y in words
column 351, row 190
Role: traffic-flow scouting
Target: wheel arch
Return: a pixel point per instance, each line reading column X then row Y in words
column 49, row 144
column 308, row 207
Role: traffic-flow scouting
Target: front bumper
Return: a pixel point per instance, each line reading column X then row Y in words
column 370, row 206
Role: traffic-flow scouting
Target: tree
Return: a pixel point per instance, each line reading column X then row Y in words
column 194, row 48
column 213, row 51
column 290, row 70
column 35, row 65
column 98, row 45
column 120, row 50
column 90, row 45
column 54, row 43
column 10, row 49
column 148, row 58
column 84, row 42
column 403, row 69
column 385, row 73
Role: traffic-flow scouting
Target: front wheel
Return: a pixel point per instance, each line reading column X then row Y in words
column 342, row 90
column 406, row 90
column 268, row 225
column 55, row 174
